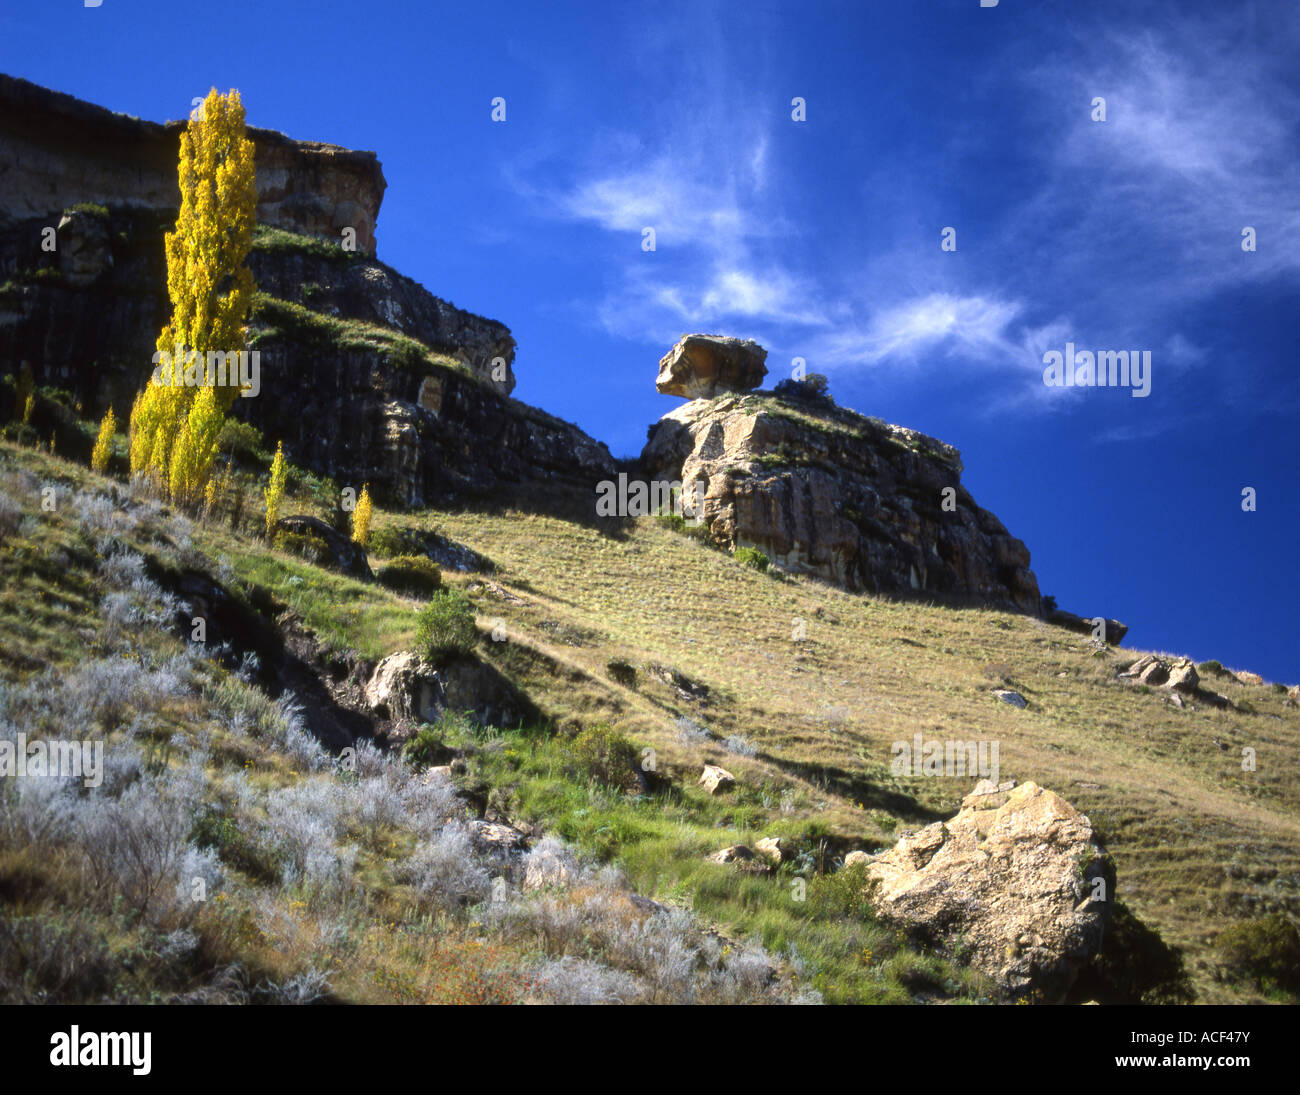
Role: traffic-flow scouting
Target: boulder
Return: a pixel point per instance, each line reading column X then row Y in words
column 1010, row 881
column 1013, row 698
column 702, row 366
column 856, row 857
column 774, row 849
column 1292, row 696
column 741, row 857
column 405, row 688
column 1112, row 631
column 1246, row 677
column 1180, row 674
column 496, row 836
column 1183, row 676
column 344, row 553
column 714, row 779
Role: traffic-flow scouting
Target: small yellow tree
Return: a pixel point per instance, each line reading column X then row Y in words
column 210, row 287
column 103, row 443
column 23, row 397
column 275, row 491
column 361, row 518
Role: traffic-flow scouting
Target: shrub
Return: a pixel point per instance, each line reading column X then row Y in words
column 1212, row 666
column 394, row 540
column 416, row 575
column 244, row 443
column 605, row 755
column 813, row 388
column 752, row 557
column 11, row 517
column 306, row 544
column 445, row 627
column 426, row 747
column 740, row 745
column 446, row 871
column 622, row 672
column 1265, row 951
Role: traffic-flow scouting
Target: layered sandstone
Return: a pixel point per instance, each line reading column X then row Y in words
column 56, row 151
column 827, row 492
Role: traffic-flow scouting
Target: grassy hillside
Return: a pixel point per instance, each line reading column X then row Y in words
column 624, row 634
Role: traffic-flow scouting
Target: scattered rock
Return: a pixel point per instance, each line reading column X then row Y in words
column 1246, row 677
column 1179, row 674
column 1292, row 696
column 714, row 779
column 496, row 836
column 1112, row 631
column 1009, row 879
column 702, row 366
column 1013, row 698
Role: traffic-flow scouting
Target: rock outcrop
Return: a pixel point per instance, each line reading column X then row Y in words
column 702, row 366
column 1179, row 674
column 1111, row 631
column 56, row 151
column 827, row 492
column 1016, row 881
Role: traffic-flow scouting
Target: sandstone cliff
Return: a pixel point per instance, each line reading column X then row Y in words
column 56, row 151
column 365, row 375
column 825, row 491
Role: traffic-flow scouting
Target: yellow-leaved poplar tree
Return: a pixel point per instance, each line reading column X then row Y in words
column 173, row 426
column 275, row 491
column 361, row 518
column 103, row 443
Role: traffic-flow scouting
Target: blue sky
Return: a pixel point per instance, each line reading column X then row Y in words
column 821, row 239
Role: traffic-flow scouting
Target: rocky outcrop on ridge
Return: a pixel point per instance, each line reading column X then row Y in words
column 827, row 492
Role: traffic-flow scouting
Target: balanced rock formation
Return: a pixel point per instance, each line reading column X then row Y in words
column 702, row 366
column 828, row 492
column 1016, row 879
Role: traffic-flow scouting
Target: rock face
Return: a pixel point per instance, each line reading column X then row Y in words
column 851, row 500
column 56, row 151
column 702, row 366
column 365, row 376
column 1009, row 880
